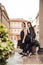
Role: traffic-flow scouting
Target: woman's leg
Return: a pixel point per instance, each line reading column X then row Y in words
column 26, row 44
column 30, row 48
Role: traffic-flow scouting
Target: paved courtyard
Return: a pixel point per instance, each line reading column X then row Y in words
column 17, row 59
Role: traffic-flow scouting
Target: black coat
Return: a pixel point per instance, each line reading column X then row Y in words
column 32, row 34
column 22, row 35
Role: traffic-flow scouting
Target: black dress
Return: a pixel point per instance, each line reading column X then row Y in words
column 20, row 41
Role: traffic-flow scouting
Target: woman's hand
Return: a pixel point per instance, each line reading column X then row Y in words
column 23, row 41
column 25, row 32
column 28, row 31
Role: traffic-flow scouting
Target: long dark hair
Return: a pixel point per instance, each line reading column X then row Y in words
column 29, row 23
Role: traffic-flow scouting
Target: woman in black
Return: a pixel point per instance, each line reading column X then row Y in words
column 30, row 37
column 22, row 42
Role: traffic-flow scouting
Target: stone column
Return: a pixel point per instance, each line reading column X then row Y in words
column 41, row 23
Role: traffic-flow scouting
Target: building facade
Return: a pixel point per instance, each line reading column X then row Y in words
column 41, row 22
column 4, row 19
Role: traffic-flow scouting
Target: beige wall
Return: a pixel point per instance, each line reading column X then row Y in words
column 5, row 20
column 41, row 22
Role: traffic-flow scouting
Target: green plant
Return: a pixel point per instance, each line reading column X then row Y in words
column 6, row 45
